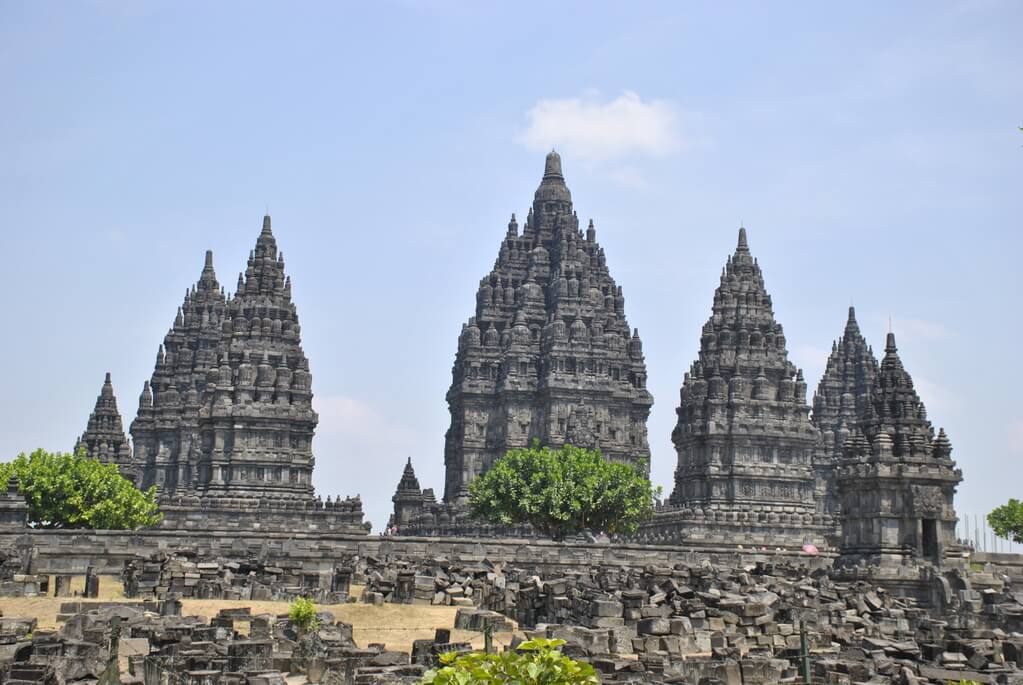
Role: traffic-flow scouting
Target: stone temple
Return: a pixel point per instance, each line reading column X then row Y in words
column 744, row 438
column 166, row 429
column 549, row 354
column 896, row 481
column 104, row 437
column 841, row 400
column 225, row 425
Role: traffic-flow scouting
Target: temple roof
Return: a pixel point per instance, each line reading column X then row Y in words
column 187, row 353
column 104, row 437
column 408, row 482
column 742, row 337
column 895, row 425
column 844, row 390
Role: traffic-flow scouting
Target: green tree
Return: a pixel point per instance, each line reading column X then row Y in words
column 1007, row 520
column 534, row 662
column 73, row 491
column 302, row 614
column 563, row 491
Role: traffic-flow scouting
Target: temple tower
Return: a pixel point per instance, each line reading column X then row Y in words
column 255, row 414
column 549, row 354
column 896, row 481
column 840, row 402
column 166, row 428
column 104, row 437
column 744, row 439
column 409, row 498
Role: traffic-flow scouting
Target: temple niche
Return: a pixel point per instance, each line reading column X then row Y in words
column 896, row 480
column 548, row 355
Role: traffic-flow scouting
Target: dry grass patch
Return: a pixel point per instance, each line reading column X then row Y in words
column 393, row 625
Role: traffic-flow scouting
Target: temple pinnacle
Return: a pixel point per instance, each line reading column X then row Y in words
column 552, row 167
column 743, row 246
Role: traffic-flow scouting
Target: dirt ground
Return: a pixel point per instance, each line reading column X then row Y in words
column 394, row 625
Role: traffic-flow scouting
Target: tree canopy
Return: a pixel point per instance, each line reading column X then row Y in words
column 74, row 491
column 563, row 491
column 1007, row 520
column 532, row 663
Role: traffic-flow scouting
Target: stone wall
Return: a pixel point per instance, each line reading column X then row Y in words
column 65, row 551
column 188, row 513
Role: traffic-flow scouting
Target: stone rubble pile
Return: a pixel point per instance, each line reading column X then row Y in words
column 164, row 647
column 169, row 575
column 659, row 622
column 15, row 580
column 432, row 582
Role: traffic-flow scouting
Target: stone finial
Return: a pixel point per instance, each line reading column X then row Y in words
column 266, row 226
column 889, row 346
column 743, row 245
column 552, row 166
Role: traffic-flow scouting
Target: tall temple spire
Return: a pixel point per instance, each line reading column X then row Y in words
column 257, row 421
column 743, row 436
column 841, row 400
column 166, row 428
column 104, row 437
column 549, row 353
column 896, row 481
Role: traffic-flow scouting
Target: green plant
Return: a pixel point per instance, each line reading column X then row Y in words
column 562, row 491
column 535, row 662
column 73, row 491
column 302, row 614
column 1007, row 520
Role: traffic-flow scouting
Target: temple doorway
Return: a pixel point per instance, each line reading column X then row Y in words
column 930, row 532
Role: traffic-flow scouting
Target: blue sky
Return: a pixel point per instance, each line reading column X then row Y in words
column 870, row 150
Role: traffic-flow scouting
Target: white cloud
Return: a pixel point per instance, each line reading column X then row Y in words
column 594, row 130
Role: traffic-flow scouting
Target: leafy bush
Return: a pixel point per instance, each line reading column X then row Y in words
column 302, row 614
column 534, row 662
column 563, row 491
column 73, row 491
column 1007, row 520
